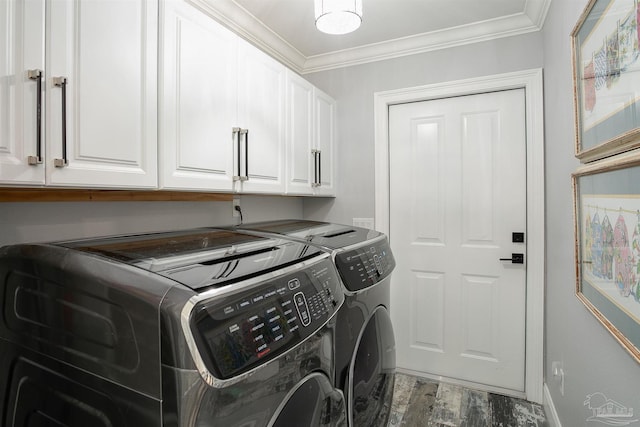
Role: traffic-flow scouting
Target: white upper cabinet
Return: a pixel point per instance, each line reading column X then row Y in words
column 221, row 108
column 21, row 91
column 300, row 144
column 325, row 145
column 261, row 114
column 102, row 93
column 198, row 100
column 310, row 139
column 153, row 94
column 85, row 117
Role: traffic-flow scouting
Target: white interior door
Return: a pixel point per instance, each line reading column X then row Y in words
column 457, row 193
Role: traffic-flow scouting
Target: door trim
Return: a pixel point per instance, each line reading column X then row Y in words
column 531, row 82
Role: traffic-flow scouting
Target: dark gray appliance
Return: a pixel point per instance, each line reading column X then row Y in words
column 189, row 328
column 365, row 343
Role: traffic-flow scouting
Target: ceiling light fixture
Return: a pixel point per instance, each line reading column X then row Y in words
column 338, row 16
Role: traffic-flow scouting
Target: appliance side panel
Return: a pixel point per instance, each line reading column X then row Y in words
column 87, row 311
column 38, row 390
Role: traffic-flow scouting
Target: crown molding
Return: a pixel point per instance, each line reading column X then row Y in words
column 247, row 26
column 537, row 10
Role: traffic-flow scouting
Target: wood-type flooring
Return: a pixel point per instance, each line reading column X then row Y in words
column 420, row 402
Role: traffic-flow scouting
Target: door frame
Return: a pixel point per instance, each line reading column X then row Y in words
column 531, row 82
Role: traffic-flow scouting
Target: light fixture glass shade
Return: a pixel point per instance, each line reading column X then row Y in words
column 338, row 16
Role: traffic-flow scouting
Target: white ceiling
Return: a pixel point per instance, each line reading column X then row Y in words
column 390, row 28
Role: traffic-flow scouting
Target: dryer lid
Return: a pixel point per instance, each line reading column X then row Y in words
column 327, row 235
column 200, row 258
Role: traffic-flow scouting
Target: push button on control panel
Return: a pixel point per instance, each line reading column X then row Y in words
column 293, row 284
column 376, row 261
column 303, row 309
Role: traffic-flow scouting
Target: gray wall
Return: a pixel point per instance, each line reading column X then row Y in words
column 592, row 360
column 34, row 222
column 353, row 89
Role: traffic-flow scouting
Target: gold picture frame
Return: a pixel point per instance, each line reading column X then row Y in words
column 607, row 244
column 606, row 79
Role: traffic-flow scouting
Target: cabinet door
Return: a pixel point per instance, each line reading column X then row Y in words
column 198, row 100
column 21, row 50
column 325, row 123
column 300, row 135
column 261, row 97
column 107, row 53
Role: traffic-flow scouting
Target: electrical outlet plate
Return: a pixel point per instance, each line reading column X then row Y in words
column 236, row 202
column 558, row 373
column 363, row 222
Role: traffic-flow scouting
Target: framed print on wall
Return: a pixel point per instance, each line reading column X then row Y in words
column 607, row 230
column 606, row 78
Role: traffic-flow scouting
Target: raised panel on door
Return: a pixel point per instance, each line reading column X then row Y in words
column 421, row 318
column 458, row 179
column 299, row 135
column 107, row 51
column 426, row 314
column 261, row 98
column 21, row 50
column 325, row 123
column 198, row 100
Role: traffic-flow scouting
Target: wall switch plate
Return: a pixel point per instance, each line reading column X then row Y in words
column 363, row 222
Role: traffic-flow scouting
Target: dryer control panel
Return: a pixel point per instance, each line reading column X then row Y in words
column 366, row 265
column 238, row 332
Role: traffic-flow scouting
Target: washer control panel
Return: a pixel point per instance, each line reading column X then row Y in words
column 236, row 333
column 366, row 265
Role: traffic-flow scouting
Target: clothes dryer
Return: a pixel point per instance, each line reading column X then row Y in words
column 365, row 343
column 188, row 328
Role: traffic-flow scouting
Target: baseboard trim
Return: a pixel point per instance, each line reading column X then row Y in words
column 550, row 409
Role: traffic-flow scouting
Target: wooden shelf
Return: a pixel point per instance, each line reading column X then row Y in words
column 81, row 195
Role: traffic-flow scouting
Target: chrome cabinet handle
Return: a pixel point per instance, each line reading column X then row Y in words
column 237, row 139
column 316, row 168
column 235, row 136
column 61, row 82
column 246, row 155
column 37, row 76
column 319, row 168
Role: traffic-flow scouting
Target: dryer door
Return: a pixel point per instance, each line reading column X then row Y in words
column 313, row 402
column 372, row 372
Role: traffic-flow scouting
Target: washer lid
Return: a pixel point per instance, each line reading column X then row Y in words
column 327, row 235
column 200, row 258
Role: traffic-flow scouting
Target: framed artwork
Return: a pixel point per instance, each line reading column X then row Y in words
column 606, row 78
column 607, row 227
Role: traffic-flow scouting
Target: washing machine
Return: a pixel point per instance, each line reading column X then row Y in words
column 365, row 343
column 187, row 328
